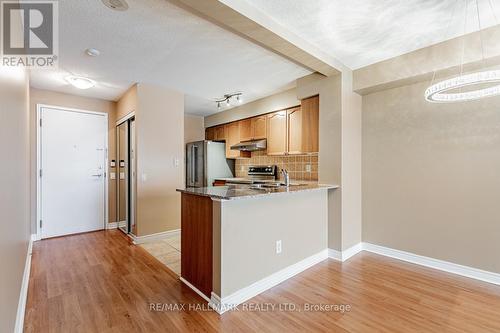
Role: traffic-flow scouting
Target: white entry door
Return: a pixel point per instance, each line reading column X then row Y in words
column 73, row 148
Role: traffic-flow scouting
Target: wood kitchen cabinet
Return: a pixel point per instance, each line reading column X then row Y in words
column 210, row 133
column 246, row 132
column 232, row 134
column 294, row 126
column 220, row 133
column 259, row 127
column 253, row 128
column 305, row 126
column 277, row 133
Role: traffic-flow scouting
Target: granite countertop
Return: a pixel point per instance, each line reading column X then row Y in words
column 232, row 192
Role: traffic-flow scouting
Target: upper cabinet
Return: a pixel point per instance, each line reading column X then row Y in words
column 294, row 137
column 259, row 127
column 293, row 131
column 210, row 133
column 310, row 125
column 232, row 131
column 246, row 132
column 253, row 128
column 276, row 133
column 220, row 133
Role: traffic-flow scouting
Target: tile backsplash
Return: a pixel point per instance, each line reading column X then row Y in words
column 300, row 167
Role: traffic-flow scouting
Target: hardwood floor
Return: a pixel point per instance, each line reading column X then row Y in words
column 99, row 282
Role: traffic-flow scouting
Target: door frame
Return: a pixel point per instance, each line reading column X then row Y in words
column 38, row 124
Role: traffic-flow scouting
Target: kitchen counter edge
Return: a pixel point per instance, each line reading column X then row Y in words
column 216, row 192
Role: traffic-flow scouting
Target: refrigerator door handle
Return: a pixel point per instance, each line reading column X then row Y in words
column 195, row 164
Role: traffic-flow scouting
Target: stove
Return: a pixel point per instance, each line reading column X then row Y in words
column 258, row 174
column 263, row 172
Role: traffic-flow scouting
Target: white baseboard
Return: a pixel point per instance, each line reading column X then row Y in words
column 441, row 265
column 23, row 295
column 154, row 237
column 334, row 254
column 346, row 254
column 196, row 290
column 112, row 225
column 242, row 295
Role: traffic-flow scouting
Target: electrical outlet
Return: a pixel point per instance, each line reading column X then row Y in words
column 176, row 162
column 308, row 167
column 242, row 168
column 278, row 247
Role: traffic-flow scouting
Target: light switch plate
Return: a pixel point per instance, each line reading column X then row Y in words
column 308, row 167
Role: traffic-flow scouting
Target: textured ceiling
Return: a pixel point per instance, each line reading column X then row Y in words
column 158, row 43
column 363, row 32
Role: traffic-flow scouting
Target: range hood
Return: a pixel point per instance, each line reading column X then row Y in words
column 253, row 145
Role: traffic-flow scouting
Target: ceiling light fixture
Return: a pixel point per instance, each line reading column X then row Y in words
column 120, row 5
column 228, row 98
column 80, row 82
column 91, row 52
column 442, row 92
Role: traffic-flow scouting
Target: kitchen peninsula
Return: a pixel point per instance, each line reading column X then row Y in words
column 238, row 241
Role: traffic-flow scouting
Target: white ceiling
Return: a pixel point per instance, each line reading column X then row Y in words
column 156, row 42
column 362, row 32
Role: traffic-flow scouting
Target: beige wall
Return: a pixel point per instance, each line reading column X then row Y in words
column 14, row 190
column 52, row 98
column 160, row 140
column 194, row 128
column 249, row 228
column 431, row 181
column 268, row 104
column 127, row 103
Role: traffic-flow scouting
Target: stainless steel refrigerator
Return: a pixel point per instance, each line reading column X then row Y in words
column 206, row 161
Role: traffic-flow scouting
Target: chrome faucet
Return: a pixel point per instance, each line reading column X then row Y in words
column 286, row 177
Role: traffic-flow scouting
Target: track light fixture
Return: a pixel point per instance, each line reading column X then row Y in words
column 228, row 98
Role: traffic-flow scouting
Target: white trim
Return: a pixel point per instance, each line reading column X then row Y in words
column 125, row 118
column 334, row 254
column 39, row 107
column 196, row 290
column 470, row 272
column 154, row 237
column 112, row 225
column 352, row 251
column 242, row 295
column 346, row 254
column 23, row 295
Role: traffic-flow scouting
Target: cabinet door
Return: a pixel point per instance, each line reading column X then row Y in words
column 294, row 120
column 210, row 133
column 276, row 133
column 246, row 133
column 310, row 125
column 259, row 125
column 220, row 134
column 233, row 137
